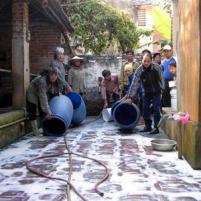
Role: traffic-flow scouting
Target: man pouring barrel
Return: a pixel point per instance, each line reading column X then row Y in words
column 152, row 82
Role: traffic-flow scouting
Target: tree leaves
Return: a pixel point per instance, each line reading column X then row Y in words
column 98, row 26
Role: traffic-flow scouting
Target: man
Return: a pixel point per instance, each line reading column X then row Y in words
column 168, row 76
column 58, row 63
column 152, row 83
column 76, row 75
column 40, row 91
column 123, row 77
column 109, row 88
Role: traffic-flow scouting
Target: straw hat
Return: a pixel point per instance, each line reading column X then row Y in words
column 167, row 47
column 76, row 58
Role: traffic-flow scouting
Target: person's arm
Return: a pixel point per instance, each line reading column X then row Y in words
column 103, row 94
column 135, row 66
column 42, row 94
column 70, row 77
column 121, row 78
column 135, row 83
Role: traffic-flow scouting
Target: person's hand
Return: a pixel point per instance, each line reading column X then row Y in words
column 129, row 101
column 48, row 116
column 69, row 89
column 123, row 99
column 105, row 105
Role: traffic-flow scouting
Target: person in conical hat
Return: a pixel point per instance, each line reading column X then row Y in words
column 76, row 75
column 77, row 60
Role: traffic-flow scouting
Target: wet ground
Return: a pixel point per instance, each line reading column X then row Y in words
column 136, row 172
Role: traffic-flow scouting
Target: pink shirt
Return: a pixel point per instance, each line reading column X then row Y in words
column 110, row 87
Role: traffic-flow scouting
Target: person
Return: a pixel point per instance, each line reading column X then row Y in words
column 146, row 51
column 58, row 62
column 76, row 75
column 110, row 90
column 128, row 69
column 173, row 68
column 152, row 82
column 123, row 78
column 157, row 58
column 129, row 72
column 40, row 91
column 168, row 76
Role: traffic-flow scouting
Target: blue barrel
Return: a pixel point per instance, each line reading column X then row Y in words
column 79, row 113
column 125, row 115
column 62, row 113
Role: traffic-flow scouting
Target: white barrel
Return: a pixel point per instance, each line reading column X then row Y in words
column 106, row 114
column 173, row 94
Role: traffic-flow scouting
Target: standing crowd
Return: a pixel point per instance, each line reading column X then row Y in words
column 144, row 83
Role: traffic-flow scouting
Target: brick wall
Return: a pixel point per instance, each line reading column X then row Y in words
column 44, row 37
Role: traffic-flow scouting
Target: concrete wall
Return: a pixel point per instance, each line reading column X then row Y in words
column 187, row 44
column 93, row 67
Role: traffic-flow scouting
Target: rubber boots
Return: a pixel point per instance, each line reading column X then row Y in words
column 35, row 130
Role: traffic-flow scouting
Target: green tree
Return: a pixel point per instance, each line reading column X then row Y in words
column 98, row 25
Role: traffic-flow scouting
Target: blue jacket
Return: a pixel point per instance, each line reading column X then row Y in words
column 165, row 68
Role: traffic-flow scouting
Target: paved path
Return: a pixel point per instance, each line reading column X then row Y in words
column 137, row 173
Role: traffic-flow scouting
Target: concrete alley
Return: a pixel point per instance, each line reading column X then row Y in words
column 136, row 172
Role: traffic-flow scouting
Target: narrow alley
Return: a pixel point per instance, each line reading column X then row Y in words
column 136, row 172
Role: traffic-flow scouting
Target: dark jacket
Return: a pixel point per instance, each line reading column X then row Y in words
column 151, row 79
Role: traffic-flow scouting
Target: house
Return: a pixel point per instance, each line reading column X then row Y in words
column 30, row 29
column 29, row 32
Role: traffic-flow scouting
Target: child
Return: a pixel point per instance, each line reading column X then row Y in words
column 173, row 69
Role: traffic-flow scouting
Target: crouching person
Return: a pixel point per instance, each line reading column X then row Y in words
column 40, row 91
column 109, row 88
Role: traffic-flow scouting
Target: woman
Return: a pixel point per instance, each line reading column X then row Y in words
column 76, row 75
column 58, row 62
column 152, row 83
column 40, row 91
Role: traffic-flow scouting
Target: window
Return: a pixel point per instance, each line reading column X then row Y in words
column 141, row 17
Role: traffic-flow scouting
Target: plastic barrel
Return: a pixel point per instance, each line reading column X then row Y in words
column 125, row 115
column 62, row 113
column 107, row 115
column 173, row 94
column 79, row 108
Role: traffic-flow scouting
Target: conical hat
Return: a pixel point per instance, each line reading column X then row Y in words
column 76, row 58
